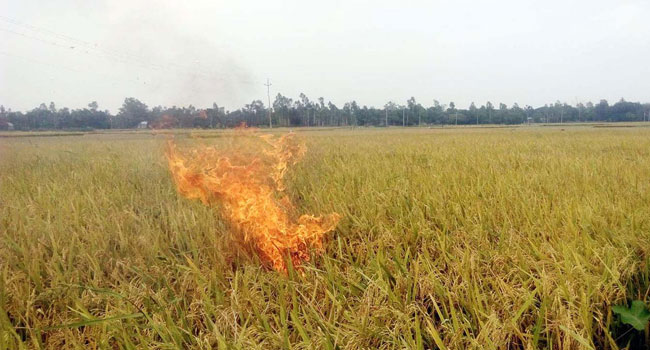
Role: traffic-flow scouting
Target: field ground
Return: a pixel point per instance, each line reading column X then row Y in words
column 503, row 238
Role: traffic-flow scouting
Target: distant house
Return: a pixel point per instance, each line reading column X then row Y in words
column 143, row 125
column 10, row 126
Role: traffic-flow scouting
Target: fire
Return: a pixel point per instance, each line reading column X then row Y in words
column 246, row 184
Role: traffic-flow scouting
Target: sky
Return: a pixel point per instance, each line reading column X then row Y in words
column 202, row 52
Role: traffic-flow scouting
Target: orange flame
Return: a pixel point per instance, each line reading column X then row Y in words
column 248, row 188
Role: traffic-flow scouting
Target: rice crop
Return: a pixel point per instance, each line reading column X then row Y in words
column 511, row 238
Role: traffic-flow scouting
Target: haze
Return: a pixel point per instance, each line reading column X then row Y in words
column 181, row 53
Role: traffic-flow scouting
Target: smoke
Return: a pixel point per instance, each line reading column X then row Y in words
column 177, row 54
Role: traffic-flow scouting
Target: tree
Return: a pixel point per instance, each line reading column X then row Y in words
column 489, row 107
column 283, row 107
column 334, row 113
column 132, row 113
column 4, row 119
column 581, row 110
column 502, row 114
column 626, row 111
column 601, row 110
column 305, row 105
column 411, row 104
column 529, row 113
column 303, row 111
column 452, row 111
column 389, row 112
column 321, row 109
column 516, row 115
column 473, row 112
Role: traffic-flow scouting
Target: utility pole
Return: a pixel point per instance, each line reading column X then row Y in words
column 268, row 96
column 403, row 116
column 579, row 114
column 386, row 117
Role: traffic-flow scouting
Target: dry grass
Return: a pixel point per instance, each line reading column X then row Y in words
column 467, row 238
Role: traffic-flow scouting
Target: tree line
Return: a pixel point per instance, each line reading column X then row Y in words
column 287, row 112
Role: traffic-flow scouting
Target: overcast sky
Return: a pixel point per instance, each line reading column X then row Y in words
column 199, row 52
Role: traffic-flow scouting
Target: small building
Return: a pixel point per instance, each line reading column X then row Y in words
column 10, row 126
column 143, row 125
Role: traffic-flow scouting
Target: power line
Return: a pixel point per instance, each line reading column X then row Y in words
column 118, row 59
column 49, row 42
column 88, row 45
column 18, row 23
column 35, row 38
column 123, row 57
column 76, row 70
column 58, row 66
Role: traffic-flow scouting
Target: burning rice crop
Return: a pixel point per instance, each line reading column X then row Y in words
column 247, row 182
column 493, row 239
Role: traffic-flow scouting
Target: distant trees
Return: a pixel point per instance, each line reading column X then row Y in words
column 287, row 112
column 132, row 112
column 601, row 110
column 284, row 112
column 49, row 117
column 4, row 120
column 625, row 111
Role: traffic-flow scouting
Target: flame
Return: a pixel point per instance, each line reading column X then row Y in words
column 247, row 186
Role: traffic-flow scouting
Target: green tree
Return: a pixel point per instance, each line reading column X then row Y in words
column 601, row 110
column 132, row 112
column 490, row 108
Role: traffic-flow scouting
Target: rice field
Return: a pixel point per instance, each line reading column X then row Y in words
column 468, row 238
